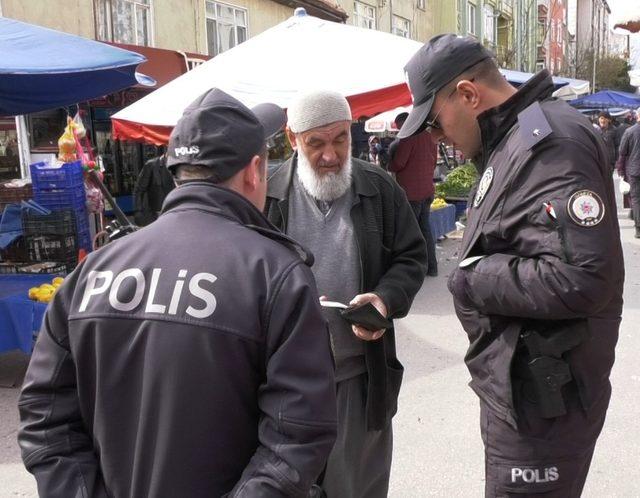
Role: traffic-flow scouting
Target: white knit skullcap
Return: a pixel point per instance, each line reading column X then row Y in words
column 317, row 108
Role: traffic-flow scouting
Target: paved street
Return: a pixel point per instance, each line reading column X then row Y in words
column 438, row 451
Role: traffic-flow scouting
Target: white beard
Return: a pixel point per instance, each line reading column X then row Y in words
column 327, row 187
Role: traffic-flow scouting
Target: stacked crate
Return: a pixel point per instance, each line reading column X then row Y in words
column 10, row 195
column 15, row 255
column 51, row 237
column 60, row 188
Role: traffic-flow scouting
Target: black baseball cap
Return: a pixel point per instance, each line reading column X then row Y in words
column 220, row 132
column 434, row 65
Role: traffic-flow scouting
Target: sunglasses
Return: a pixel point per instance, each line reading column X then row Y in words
column 433, row 124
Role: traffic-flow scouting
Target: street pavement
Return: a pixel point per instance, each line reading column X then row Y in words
column 438, row 450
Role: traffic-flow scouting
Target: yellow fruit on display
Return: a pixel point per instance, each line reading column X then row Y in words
column 438, row 203
column 45, row 292
column 44, row 295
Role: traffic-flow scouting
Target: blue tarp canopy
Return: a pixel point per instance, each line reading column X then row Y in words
column 607, row 99
column 517, row 78
column 42, row 69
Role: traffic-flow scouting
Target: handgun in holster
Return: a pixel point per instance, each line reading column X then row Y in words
column 548, row 370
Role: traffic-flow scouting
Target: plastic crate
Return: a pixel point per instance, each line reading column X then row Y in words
column 52, row 248
column 10, row 195
column 48, row 267
column 9, row 268
column 55, row 200
column 57, row 223
column 16, row 252
column 66, row 176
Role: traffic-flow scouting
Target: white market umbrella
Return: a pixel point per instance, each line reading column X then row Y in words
column 384, row 121
column 627, row 16
column 300, row 54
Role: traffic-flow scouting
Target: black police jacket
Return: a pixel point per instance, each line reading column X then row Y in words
column 544, row 221
column 393, row 260
column 189, row 359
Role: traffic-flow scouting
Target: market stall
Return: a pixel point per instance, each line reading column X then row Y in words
column 20, row 316
column 43, row 69
column 607, row 99
column 44, row 226
column 249, row 73
column 442, row 219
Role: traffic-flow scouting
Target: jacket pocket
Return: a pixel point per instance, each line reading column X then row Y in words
column 592, row 360
column 489, row 360
column 395, row 372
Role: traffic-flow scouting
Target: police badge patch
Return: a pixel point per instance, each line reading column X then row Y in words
column 585, row 208
column 483, row 186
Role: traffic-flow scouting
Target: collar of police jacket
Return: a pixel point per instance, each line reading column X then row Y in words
column 221, row 201
column 496, row 122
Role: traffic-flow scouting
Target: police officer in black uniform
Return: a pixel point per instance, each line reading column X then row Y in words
column 190, row 358
column 539, row 285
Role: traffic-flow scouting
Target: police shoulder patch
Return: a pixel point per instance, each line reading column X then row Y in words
column 586, row 208
column 483, row 186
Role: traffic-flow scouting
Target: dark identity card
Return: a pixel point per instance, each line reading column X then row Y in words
column 365, row 315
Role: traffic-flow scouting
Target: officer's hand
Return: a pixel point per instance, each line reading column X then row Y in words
column 361, row 332
column 459, row 288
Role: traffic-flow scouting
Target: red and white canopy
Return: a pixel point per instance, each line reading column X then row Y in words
column 385, row 121
column 300, row 54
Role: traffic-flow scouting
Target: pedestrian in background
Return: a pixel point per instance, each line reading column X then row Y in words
column 414, row 161
column 152, row 187
column 628, row 167
column 610, row 135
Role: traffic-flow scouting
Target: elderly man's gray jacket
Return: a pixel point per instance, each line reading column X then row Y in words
column 188, row 359
column 393, row 257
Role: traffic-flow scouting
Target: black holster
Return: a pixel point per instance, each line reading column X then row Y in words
column 547, row 368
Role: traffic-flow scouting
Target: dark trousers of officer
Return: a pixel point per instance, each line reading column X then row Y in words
column 422, row 211
column 547, row 458
column 359, row 465
column 634, row 194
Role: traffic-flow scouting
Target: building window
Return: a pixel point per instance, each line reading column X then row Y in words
column 539, row 66
column 421, row 4
column 540, row 34
column 401, row 27
column 45, row 128
column 124, row 21
column 471, row 18
column 226, row 27
column 9, row 151
column 364, row 16
column 489, row 24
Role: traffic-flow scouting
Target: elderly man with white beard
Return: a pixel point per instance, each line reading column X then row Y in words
column 368, row 248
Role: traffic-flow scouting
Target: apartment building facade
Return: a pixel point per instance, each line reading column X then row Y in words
column 551, row 36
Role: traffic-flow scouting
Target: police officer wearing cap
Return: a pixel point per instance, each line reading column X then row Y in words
column 539, row 285
column 191, row 357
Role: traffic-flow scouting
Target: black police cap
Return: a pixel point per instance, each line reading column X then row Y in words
column 220, row 132
column 434, row 65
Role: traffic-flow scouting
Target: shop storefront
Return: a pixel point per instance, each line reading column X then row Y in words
column 122, row 160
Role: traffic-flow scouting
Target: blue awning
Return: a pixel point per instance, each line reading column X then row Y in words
column 41, row 68
column 518, row 78
column 606, row 99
